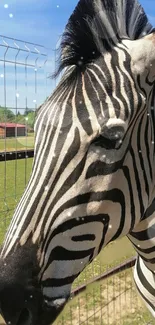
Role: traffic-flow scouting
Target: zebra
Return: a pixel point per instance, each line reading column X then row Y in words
column 93, row 175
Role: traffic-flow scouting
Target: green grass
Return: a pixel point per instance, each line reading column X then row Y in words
column 14, row 176
column 19, row 143
column 101, row 294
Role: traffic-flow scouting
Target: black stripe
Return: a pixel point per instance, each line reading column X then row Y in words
column 98, row 96
column 148, row 260
column 72, row 152
column 69, row 182
column 149, row 211
column 144, row 281
column 126, row 82
column 81, row 108
column 74, row 148
column 59, row 282
column 67, row 225
column 105, row 229
column 150, row 83
column 143, row 250
column 95, row 92
column 113, row 195
column 152, row 95
column 132, row 204
column 143, row 90
column 62, row 138
column 74, row 222
column 108, row 85
column 80, row 238
column 138, row 183
column 128, row 87
column 144, row 235
column 98, row 168
column 59, row 253
column 141, row 158
column 119, row 198
column 147, row 145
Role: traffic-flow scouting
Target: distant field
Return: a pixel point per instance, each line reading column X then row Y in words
column 20, row 143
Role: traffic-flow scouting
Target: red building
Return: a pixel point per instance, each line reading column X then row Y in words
column 11, row 130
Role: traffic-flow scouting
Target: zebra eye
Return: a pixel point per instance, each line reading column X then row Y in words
column 110, row 138
column 105, row 142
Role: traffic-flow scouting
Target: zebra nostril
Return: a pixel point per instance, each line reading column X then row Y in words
column 25, row 317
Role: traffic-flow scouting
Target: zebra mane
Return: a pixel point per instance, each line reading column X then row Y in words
column 96, row 26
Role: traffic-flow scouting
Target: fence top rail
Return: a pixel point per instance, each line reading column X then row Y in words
column 129, row 263
column 25, row 42
column 25, row 49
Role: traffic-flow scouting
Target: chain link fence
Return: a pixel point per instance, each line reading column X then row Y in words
column 104, row 293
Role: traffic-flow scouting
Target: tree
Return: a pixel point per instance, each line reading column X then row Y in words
column 27, row 111
column 20, row 119
column 6, row 115
column 30, row 119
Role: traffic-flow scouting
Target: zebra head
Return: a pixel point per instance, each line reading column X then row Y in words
column 87, row 142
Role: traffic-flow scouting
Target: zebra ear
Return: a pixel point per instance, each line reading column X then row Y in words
column 142, row 53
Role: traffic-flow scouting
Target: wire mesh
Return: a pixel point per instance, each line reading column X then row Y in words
column 24, row 85
column 111, row 301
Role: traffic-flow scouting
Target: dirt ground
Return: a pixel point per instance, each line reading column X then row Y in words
column 115, row 302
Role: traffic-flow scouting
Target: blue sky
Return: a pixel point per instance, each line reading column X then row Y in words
column 41, row 22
